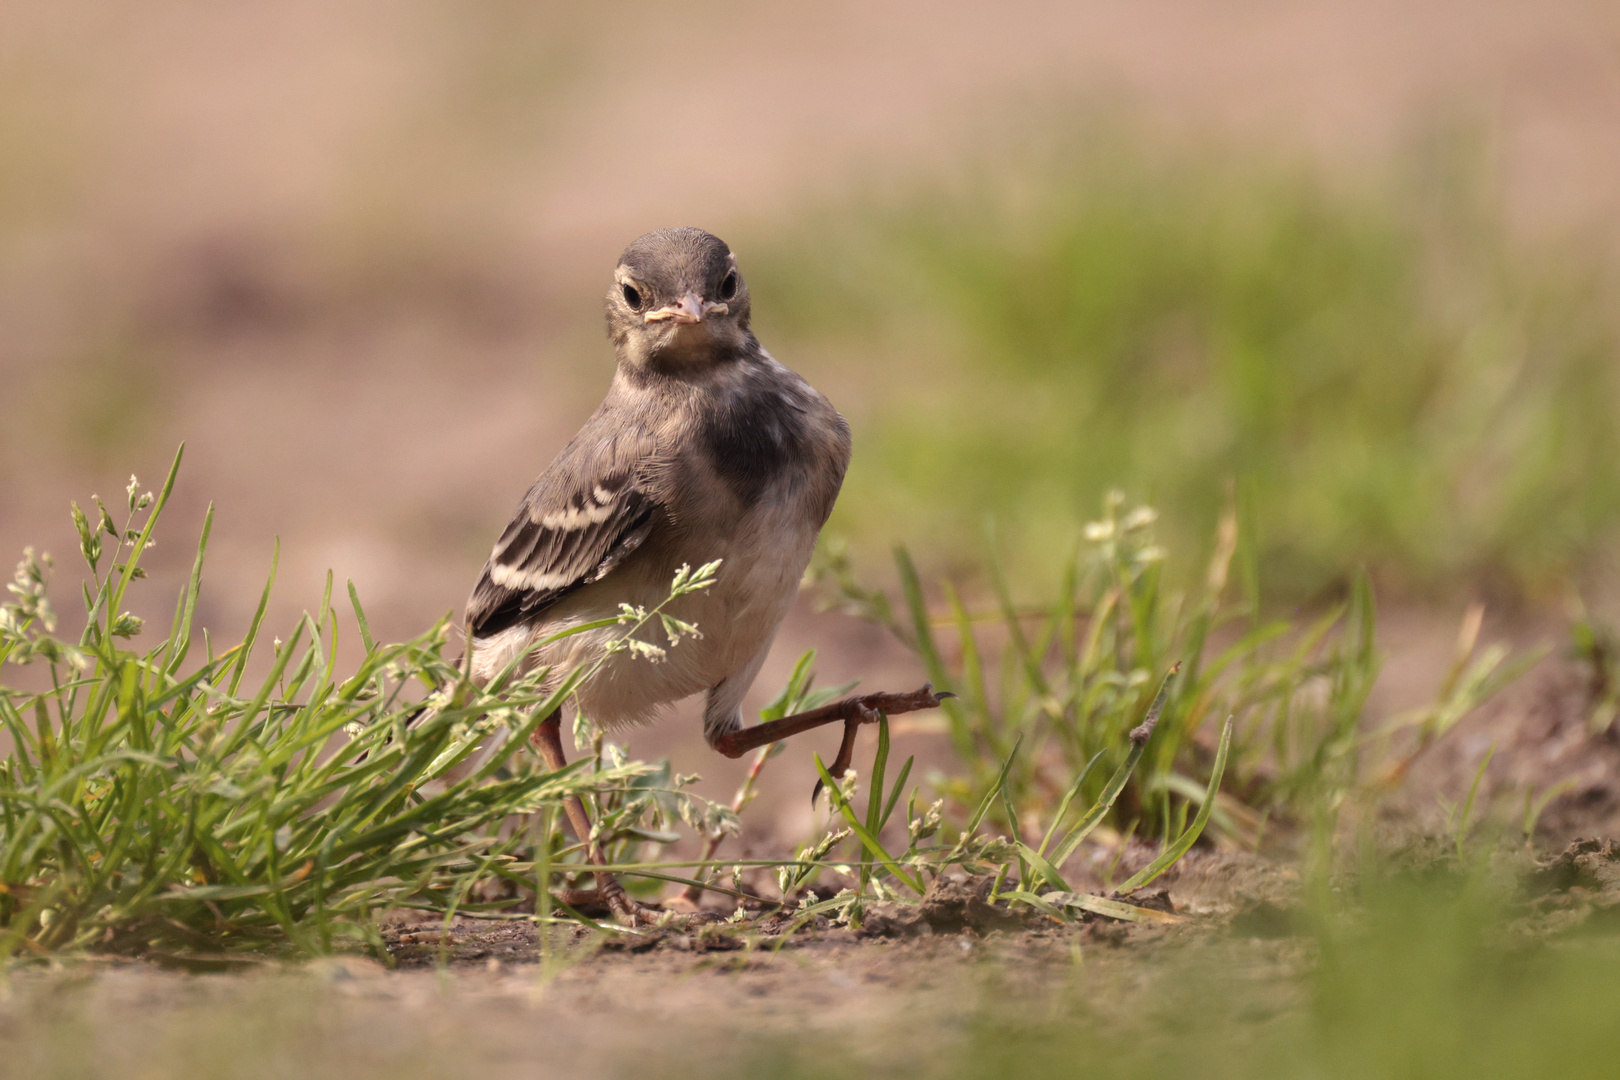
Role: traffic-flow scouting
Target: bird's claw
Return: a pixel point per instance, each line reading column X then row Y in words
column 613, row 897
column 632, row 911
column 634, row 915
column 915, row 701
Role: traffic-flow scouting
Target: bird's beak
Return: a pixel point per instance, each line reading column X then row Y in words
column 690, row 310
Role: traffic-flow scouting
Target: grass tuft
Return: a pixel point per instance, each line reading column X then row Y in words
column 151, row 803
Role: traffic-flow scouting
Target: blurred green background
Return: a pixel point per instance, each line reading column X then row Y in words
column 1378, row 377
column 1347, row 265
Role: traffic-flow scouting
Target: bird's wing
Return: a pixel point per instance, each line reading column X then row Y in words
column 587, row 512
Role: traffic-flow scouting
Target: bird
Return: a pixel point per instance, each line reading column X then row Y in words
column 705, row 448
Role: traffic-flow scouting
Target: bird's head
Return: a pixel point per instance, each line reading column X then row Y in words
column 677, row 301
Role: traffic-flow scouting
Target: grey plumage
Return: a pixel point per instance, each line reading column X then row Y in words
column 704, row 448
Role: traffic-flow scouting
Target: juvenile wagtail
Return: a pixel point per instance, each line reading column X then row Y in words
column 705, row 448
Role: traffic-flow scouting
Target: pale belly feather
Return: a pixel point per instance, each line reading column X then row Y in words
column 736, row 617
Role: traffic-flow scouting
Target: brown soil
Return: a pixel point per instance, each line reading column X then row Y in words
column 704, row 994
column 476, row 999
column 1538, row 734
column 1206, row 888
column 602, row 1015
column 701, row 995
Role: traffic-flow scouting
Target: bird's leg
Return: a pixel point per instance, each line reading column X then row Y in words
column 548, row 740
column 860, row 709
column 853, row 711
column 846, row 746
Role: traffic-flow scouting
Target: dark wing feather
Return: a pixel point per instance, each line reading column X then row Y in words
column 586, row 513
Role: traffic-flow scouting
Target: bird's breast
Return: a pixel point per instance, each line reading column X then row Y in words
column 772, row 437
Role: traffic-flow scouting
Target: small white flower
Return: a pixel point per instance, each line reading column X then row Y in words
column 1140, row 517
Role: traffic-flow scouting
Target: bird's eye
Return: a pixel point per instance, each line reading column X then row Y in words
column 728, row 286
column 631, row 296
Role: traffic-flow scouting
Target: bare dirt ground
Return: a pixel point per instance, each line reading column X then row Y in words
column 476, row 999
column 658, row 1013
column 705, row 997
column 1538, row 738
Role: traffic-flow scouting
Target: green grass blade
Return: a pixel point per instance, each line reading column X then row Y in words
column 1068, row 799
column 1116, row 783
column 245, row 650
column 180, row 635
column 1044, row 868
column 868, row 841
column 1167, row 858
column 360, row 618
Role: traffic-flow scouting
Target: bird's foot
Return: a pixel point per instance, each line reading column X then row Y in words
column 869, row 709
column 626, row 908
column 868, row 706
column 612, row 898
